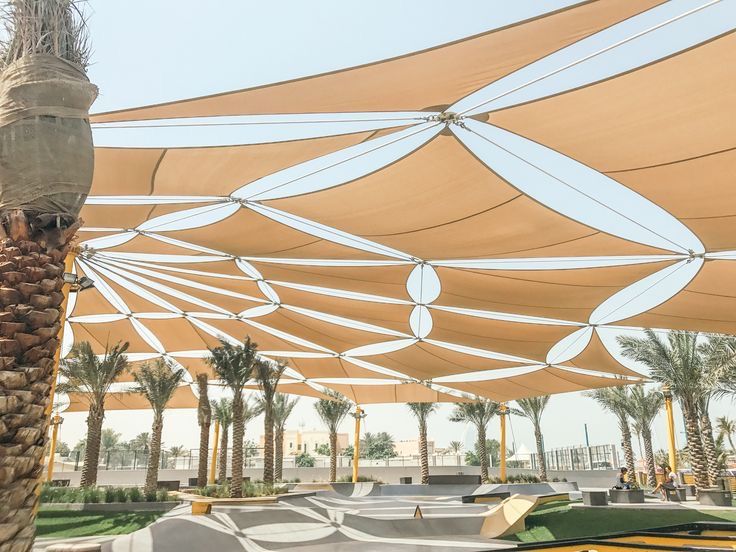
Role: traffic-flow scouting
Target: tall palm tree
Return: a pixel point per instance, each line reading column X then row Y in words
column 726, row 427
column 252, row 408
column 267, row 375
column 223, row 412
column 421, row 412
column 479, row 413
column 47, row 161
column 532, row 409
column 709, row 443
column 234, row 364
column 616, row 400
column 676, row 362
column 643, row 408
column 455, row 447
column 282, row 409
column 157, row 383
column 332, row 412
column 204, row 419
column 85, row 373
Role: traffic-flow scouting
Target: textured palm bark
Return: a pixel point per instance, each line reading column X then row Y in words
column 278, row 466
column 236, row 470
column 154, row 457
column 623, row 425
column 709, row 446
column 268, row 445
column 204, row 418
column 695, row 448
column 333, row 456
column 646, row 435
column 483, row 453
column 423, row 453
column 222, row 461
column 540, row 454
column 95, row 419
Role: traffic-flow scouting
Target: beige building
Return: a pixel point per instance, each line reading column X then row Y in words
column 298, row 441
column 410, row 447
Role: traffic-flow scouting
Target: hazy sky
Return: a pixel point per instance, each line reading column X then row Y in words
column 151, row 51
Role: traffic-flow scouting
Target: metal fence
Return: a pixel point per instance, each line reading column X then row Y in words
column 599, row 457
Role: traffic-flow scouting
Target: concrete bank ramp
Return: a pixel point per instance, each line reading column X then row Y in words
column 508, row 517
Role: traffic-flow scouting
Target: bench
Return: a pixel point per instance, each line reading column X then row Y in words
column 626, row 496
column 676, row 495
column 60, row 482
column 715, row 497
column 595, row 498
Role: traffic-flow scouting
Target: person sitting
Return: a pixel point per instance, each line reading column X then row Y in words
column 669, row 483
column 622, row 480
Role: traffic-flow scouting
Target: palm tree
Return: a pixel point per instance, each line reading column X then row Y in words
column 268, row 375
column 109, row 439
column 676, row 363
column 86, row 373
column 252, row 408
column 709, row 444
column 532, row 409
column 643, row 408
column 332, row 412
column 726, row 428
column 616, row 400
column 479, row 413
column 204, row 419
column 157, row 383
column 282, row 409
column 47, row 160
column 223, row 412
column 456, row 447
column 421, row 412
column 234, row 366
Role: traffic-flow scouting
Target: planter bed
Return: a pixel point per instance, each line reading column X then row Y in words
column 624, row 496
column 111, row 506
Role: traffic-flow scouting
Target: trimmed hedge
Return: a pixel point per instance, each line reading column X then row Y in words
column 93, row 495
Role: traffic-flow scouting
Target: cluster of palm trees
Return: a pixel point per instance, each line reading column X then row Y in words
column 694, row 369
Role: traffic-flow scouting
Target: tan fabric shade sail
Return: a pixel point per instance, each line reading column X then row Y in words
column 183, row 398
column 555, row 179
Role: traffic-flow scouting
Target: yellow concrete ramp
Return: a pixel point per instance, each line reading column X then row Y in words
column 508, row 517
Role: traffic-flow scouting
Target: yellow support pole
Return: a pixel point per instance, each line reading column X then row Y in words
column 68, row 267
column 502, row 454
column 358, row 415
column 213, row 462
column 670, row 428
column 56, row 421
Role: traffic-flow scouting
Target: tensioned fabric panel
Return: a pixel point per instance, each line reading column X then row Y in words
column 597, row 357
column 707, row 304
column 331, row 367
column 183, row 398
column 207, row 171
column 102, row 336
column 402, row 393
column 437, row 76
column 515, row 338
column 427, row 215
column 127, row 216
column 710, row 213
column 562, row 294
column 545, row 381
column 628, row 113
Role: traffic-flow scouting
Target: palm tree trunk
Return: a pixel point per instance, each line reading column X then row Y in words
column 155, row 456
column 646, row 435
column 709, row 446
column 268, row 445
column 423, row 453
column 333, row 456
column 730, row 442
column 92, row 448
column 623, row 425
column 483, row 453
column 279, row 454
column 236, row 485
column 695, row 448
column 540, row 453
column 222, row 468
column 204, row 418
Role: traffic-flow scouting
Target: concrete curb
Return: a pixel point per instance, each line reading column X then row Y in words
column 110, row 506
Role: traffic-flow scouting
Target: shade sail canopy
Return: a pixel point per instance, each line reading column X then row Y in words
column 522, row 190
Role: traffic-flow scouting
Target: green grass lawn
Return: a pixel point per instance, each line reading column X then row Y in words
column 65, row 523
column 557, row 520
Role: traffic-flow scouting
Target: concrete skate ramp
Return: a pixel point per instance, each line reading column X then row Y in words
column 508, row 517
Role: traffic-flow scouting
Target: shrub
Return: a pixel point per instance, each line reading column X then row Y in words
column 150, row 496
column 162, row 495
column 90, row 495
column 134, row 494
column 361, row 479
